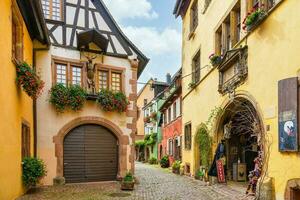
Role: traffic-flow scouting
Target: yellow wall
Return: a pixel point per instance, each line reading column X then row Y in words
column 146, row 93
column 15, row 106
column 273, row 54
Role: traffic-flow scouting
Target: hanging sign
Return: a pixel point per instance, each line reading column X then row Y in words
column 220, row 170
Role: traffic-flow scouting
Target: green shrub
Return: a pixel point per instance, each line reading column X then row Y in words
column 150, row 139
column 33, row 170
column 62, row 97
column 176, row 165
column 204, row 140
column 164, row 162
column 152, row 161
column 139, row 143
column 128, row 177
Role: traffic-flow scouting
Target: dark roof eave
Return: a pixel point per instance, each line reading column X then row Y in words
column 177, row 7
column 32, row 13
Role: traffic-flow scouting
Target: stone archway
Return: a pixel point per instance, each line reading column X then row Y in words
column 122, row 139
column 249, row 139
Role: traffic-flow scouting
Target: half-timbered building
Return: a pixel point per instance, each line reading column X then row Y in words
column 90, row 50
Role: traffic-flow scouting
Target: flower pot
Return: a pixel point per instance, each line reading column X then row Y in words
column 216, row 61
column 176, row 171
column 127, row 185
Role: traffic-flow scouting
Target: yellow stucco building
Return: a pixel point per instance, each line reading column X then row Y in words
column 19, row 26
column 258, row 71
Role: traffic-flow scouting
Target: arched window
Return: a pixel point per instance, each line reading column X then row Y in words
column 52, row 9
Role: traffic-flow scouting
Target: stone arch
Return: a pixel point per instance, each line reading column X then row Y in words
column 58, row 140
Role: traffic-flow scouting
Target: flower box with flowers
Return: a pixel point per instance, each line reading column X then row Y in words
column 29, row 80
column 112, row 101
column 215, row 59
column 254, row 17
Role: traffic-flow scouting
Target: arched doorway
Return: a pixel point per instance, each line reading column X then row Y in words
column 90, row 153
column 240, row 130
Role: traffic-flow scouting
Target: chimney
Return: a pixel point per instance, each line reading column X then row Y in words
column 168, row 78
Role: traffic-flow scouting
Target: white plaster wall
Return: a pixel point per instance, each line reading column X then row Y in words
column 49, row 122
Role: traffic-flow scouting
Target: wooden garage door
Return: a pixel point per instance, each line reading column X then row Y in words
column 90, row 154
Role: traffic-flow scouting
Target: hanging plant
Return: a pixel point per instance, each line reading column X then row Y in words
column 147, row 119
column 110, row 101
column 254, row 17
column 63, row 98
column 150, row 139
column 203, row 139
column 29, row 80
column 215, row 59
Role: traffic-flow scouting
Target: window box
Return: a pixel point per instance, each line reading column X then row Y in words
column 215, row 60
column 233, row 69
column 254, row 18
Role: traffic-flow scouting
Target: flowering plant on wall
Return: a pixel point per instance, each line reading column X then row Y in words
column 62, row 98
column 215, row 59
column 253, row 17
column 153, row 115
column 112, row 101
column 29, row 80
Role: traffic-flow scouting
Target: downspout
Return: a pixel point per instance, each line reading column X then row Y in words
column 35, row 50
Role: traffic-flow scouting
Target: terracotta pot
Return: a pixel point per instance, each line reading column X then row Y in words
column 127, row 185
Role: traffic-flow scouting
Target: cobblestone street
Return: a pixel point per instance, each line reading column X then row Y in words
column 154, row 183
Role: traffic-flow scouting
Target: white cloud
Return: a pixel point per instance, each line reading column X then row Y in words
column 124, row 9
column 154, row 42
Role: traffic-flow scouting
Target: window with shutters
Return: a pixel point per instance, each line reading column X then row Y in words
column 53, row 9
column 17, row 34
column 229, row 32
column 196, row 68
column 188, row 136
column 25, row 140
column 68, row 73
column 194, row 16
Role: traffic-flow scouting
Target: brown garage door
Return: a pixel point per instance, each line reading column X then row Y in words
column 90, row 154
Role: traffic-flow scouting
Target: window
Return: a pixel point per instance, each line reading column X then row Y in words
column 175, row 110
column 76, row 75
column 170, row 145
column 67, row 73
column 169, row 115
column 196, row 68
column 194, row 16
column 188, row 137
column 52, row 9
column 109, row 79
column 103, row 80
column 116, row 81
column 17, row 33
column 145, row 102
column 165, row 117
column 229, row 33
column 25, row 141
column 61, row 74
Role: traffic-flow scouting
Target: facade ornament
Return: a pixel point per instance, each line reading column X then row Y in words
column 134, row 63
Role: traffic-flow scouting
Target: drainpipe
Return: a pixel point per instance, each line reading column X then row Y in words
column 35, row 50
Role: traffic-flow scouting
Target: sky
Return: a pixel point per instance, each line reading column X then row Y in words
column 152, row 27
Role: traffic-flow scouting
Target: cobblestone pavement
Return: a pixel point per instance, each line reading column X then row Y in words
column 154, row 183
column 157, row 184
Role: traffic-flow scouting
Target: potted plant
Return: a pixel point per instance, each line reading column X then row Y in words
column 176, row 167
column 29, row 80
column 152, row 161
column 127, row 182
column 253, row 18
column 215, row 59
column 192, row 85
column 164, row 162
column 199, row 175
column 33, row 170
